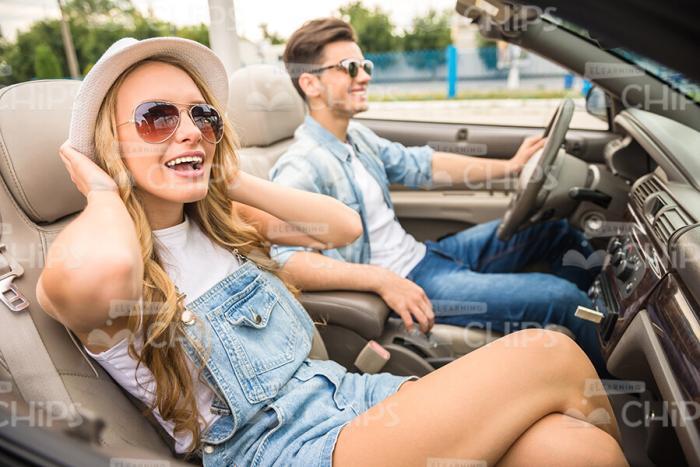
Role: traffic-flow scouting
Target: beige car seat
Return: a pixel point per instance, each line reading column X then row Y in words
column 42, row 363
column 40, row 360
column 265, row 110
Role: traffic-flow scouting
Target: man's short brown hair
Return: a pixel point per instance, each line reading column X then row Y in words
column 305, row 47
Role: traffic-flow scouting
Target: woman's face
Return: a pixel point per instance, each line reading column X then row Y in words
column 151, row 165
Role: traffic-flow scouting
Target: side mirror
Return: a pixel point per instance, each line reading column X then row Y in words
column 597, row 103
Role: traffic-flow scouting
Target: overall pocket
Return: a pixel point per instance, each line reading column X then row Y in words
column 260, row 336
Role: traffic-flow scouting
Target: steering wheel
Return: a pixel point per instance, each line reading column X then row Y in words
column 534, row 173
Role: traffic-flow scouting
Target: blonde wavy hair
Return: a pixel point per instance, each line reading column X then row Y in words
column 175, row 390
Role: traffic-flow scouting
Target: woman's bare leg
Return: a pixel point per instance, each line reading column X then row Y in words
column 558, row 440
column 477, row 407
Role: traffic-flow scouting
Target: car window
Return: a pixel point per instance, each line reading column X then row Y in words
column 493, row 84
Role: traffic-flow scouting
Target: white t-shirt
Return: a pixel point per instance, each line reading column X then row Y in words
column 392, row 247
column 195, row 264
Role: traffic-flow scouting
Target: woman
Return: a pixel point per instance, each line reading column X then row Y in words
column 168, row 284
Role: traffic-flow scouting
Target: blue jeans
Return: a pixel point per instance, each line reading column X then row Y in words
column 472, row 279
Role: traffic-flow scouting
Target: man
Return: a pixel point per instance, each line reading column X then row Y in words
column 469, row 278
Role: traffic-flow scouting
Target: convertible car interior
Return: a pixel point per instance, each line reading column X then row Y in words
column 633, row 188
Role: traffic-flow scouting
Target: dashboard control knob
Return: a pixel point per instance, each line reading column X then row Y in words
column 618, row 258
column 624, row 270
column 614, row 245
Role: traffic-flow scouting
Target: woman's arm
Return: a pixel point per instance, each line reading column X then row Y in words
column 289, row 216
column 95, row 262
column 275, row 230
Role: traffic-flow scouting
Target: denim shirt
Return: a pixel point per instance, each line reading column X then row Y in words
column 254, row 336
column 319, row 162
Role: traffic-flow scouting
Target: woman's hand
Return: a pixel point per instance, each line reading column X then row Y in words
column 86, row 175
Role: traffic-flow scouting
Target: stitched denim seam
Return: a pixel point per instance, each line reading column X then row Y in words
column 258, row 452
column 518, row 246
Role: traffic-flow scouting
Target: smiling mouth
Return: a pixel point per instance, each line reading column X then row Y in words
column 185, row 164
column 191, row 166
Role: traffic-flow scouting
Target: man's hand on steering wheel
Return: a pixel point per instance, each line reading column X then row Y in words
column 527, row 149
column 525, row 200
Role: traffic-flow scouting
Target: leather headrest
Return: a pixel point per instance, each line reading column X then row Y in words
column 263, row 105
column 34, row 119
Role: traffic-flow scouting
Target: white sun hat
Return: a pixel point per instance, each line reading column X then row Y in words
column 120, row 56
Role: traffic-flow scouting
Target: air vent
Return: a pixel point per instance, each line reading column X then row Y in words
column 667, row 222
column 660, row 210
column 645, row 189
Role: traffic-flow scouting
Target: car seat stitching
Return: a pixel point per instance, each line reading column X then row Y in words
column 82, row 352
column 20, row 211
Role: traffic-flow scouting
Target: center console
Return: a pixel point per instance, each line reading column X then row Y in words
column 650, row 326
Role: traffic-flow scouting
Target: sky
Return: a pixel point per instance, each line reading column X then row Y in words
column 282, row 16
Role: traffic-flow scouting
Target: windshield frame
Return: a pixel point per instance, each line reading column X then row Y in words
column 649, row 66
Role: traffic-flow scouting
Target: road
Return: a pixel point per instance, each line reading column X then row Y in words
column 514, row 112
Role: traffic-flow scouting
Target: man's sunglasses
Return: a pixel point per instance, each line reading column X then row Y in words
column 349, row 65
column 157, row 121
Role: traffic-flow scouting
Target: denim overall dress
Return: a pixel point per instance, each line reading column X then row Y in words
column 278, row 406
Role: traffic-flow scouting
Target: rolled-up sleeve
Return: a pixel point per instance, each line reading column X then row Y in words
column 409, row 166
column 281, row 253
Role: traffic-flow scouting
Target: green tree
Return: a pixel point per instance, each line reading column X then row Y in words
column 94, row 11
column 272, row 37
column 426, row 39
column 199, row 33
column 46, row 65
column 5, row 68
column 375, row 31
column 19, row 56
column 430, row 31
column 95, row 25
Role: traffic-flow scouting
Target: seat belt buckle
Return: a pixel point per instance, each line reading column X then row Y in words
column 9, row 270
column 12, row 297
column 372, row 358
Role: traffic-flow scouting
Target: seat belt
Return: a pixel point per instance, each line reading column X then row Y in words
column 22, row 349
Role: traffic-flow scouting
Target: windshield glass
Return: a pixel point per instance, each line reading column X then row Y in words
column 671, row 77
column 677, row 80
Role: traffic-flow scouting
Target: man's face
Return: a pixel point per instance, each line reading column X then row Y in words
column 337, row 91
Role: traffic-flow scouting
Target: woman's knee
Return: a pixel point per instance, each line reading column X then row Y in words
column 551, row 352
column 596, row 447
column 558, row 439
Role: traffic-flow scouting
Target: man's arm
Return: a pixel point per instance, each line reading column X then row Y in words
column 314, row 271
column 454, row 169
column 421, row 167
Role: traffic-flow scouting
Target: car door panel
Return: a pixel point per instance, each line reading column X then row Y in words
column 484, row 140
column 431, row 214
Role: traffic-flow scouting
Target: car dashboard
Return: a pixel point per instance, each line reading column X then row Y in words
column 649, row 288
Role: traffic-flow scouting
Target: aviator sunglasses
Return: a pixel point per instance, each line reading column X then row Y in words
column 350, row 65
column 156, row 121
